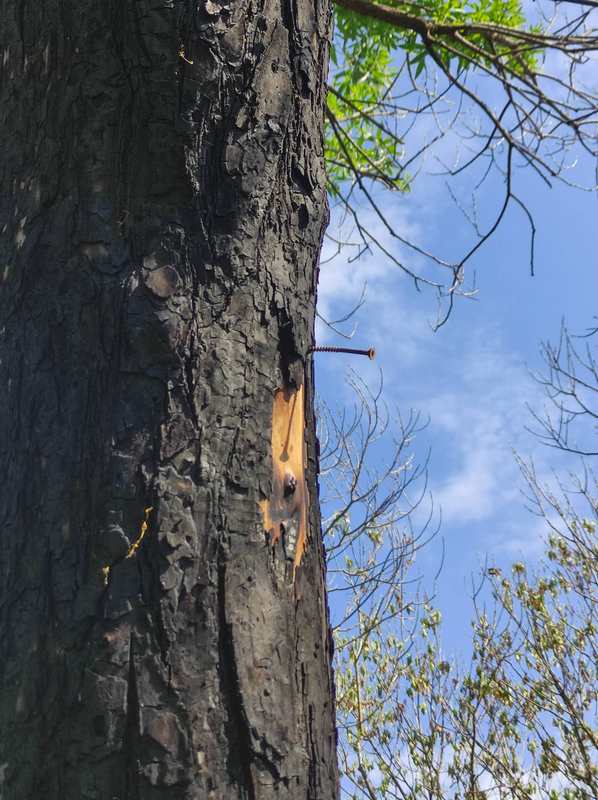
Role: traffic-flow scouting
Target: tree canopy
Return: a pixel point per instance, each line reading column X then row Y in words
column 511, row 82
column 512, row 85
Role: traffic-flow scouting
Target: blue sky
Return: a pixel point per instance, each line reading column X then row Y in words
column 471, row 377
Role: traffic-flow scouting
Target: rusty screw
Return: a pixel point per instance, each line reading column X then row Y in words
column 371, row 353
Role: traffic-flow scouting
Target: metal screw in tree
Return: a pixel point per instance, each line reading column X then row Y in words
column 370, row 353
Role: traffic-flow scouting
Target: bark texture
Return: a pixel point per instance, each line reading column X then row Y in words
column 161, row 211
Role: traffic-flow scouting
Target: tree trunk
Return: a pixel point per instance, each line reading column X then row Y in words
column 163, row 622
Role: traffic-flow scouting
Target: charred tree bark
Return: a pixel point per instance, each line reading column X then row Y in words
column 163, row 626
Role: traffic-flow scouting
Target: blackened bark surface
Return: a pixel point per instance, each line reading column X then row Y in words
column 162, row 206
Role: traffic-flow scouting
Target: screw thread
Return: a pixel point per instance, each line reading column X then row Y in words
column 370, row 353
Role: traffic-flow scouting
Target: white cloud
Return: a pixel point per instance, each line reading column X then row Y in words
column 344, row 275
column 524, row 538
column 482, row 419
column 465, row 378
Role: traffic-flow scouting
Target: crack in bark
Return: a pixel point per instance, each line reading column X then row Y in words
column 132, row 734
column 272, row 768
column 313, row 770
column 239, row 735
column 287, row 349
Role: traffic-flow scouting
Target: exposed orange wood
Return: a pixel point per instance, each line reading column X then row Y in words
column 285, row 513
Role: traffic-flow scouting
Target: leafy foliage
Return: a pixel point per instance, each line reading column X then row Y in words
column 364, row 56
column 357, row 139
column 502, row 87
column 521, row 722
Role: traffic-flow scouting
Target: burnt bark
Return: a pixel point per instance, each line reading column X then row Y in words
column 161, row 214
